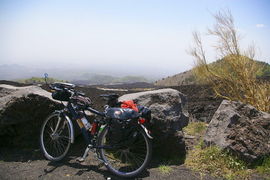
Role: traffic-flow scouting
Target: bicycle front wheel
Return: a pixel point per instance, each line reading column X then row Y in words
column 126, row 161
column 55, row 137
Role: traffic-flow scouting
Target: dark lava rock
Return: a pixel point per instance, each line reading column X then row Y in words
column 202, row 102
column 241, row 129
column 22, row 111
column 169, row 116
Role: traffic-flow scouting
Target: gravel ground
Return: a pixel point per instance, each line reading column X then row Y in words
column 30, row 164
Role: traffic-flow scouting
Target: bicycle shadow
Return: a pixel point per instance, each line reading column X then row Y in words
column 81, row 169
column 86, row 168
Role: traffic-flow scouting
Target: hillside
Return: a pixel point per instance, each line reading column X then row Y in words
column 187, row 77
column 184, row 78
column 77, row 76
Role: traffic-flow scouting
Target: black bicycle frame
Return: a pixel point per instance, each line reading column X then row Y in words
column 75, row 115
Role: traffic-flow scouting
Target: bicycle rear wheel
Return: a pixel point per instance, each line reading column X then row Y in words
column 55, row 137
column 126, row 161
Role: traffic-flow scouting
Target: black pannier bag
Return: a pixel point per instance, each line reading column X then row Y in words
column 61, row 95
column 123, row 122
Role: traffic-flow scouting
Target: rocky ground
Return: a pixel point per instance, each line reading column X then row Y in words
column 202, row 103
column 29, row 164
column 26, row 162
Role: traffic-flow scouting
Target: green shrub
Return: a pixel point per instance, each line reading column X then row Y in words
column 216, row 162
column 264, row 168
column 195, row 128
column 165, row 169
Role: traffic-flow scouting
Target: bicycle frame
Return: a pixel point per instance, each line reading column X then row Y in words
column 74, row 115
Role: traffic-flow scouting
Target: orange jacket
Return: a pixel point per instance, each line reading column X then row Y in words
column 129, row 104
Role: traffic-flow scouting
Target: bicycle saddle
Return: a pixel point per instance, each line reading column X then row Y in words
column 110, row 96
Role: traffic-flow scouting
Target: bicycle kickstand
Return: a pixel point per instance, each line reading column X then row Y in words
column 81, row 159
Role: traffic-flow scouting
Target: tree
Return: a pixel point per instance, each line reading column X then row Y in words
column 234, row 76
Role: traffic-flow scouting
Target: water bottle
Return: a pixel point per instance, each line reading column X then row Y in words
column 85, row 122
column 85, row 128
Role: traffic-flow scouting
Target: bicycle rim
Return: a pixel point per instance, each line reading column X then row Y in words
column 55, row 137
column 127, row 161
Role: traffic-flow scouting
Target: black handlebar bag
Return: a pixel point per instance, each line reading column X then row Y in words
column 61, row 95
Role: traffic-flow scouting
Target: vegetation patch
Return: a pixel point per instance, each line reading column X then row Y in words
column 220, row 163
column 264, row 168
column 195, row 128
column 38, row 80
column 165, row 169
column 217, row 162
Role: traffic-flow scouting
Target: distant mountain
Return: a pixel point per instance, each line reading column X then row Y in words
column 14, row 71
column 136, row 85
column 187, row 77
column 78, row 76
column 98, row 79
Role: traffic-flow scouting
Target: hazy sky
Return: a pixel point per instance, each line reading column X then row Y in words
column 145, row 35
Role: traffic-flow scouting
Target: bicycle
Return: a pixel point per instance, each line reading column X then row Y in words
column 119, row 137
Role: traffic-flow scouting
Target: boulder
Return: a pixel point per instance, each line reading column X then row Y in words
column 22, row 111
column 169, row 116
column 241, row 129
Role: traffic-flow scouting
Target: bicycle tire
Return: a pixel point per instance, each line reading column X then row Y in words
column 121, row 172
column 55, row 145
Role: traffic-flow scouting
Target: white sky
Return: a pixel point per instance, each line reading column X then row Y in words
column 148, row 36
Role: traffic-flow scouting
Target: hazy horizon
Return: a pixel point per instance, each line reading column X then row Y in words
column 144, row 38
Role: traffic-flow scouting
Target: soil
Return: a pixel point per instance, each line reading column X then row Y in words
column 28, row 162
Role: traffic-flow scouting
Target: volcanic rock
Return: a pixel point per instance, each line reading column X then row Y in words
column 22, row 111
column 241, row 129
column 169, row 116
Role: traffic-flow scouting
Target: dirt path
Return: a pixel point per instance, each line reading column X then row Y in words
column 30, row 164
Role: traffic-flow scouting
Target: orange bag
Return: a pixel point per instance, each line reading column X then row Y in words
column 129, row 104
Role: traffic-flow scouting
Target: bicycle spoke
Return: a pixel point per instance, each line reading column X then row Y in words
column 56, row 138
column 62, row 128
column 57, row 124
column 129, row 156
column 138, row 163
column 62, row 146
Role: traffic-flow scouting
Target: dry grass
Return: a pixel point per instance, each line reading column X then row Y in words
column 233, row 78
